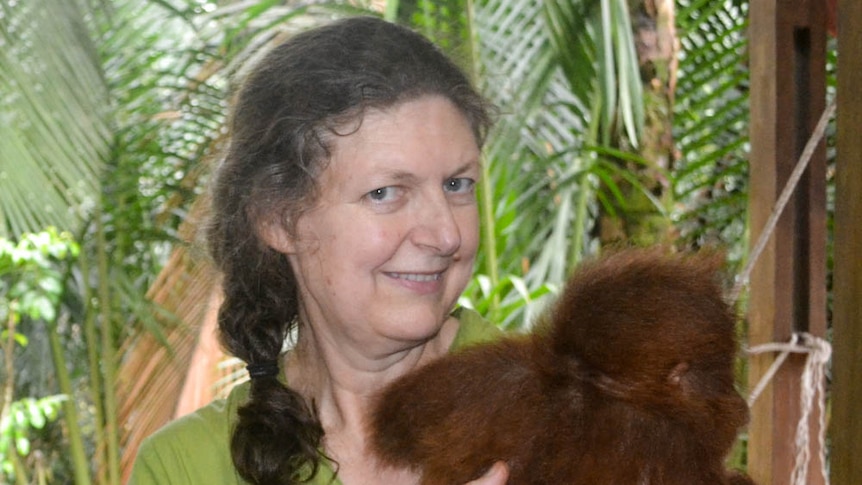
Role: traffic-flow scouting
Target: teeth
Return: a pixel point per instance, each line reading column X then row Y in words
column 417, row 277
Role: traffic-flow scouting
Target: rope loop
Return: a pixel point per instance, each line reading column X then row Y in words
column 812, row 392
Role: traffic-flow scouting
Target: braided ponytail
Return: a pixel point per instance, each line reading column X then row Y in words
column 276, row 432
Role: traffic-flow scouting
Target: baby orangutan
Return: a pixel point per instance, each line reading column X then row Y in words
column 628, row 380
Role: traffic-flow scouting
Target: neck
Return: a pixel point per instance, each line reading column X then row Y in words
column 341, row 379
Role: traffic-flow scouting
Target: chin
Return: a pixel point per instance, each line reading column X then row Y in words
column 416, row 326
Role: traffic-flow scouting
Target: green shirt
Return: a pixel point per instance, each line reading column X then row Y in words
column 195, row 449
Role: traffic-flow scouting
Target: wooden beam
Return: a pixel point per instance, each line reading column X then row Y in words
column 846, row 423
column 787, row 42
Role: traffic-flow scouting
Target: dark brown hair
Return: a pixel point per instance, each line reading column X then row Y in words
column 286, row 113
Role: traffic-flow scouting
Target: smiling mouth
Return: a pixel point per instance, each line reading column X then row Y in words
column 422, row 278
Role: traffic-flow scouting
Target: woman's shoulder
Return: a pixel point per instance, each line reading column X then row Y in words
column 192, row 449
column 195, row 449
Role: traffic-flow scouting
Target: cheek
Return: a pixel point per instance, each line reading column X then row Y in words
column 468, row 225
column 364, row 243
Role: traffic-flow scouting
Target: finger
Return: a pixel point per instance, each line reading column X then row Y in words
column 496, row 475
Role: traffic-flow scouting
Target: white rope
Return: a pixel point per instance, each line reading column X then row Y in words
column 812, row 392
column 785, row 349
column 783, row 199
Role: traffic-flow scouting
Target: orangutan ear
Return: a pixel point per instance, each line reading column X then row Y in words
column 275, row 234
column 675, row 378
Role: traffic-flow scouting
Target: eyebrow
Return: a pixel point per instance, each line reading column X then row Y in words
column 473, row 162
column 407, row 177
column 399, row 176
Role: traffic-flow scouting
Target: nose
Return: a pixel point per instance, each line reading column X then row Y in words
column 437, row 227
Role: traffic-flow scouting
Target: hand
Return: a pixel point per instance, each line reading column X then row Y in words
column 496, row 475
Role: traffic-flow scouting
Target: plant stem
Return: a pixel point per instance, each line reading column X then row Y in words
column 96, row 387
column 80, row 465
column 585, row 194
column 486, row 190
column 489, row 240
column 18, row 469
column 8, row 349
column 391, row 12
column 108, row 360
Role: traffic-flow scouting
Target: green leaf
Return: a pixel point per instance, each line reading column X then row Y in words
column 38, row 307
column 19, row 418
column 51, row 405
column 23, row 445
column 21, row 339
column 37, row 418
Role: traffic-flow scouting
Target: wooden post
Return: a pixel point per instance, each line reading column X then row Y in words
column 788, row 285
column 846, row 425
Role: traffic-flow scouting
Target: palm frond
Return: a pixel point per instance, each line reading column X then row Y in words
column 56, row 124
column 711, row 124
column 155, row 371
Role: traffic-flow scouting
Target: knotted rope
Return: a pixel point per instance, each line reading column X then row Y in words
column 812, row 393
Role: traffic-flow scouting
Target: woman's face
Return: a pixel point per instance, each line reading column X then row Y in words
column 390, row 245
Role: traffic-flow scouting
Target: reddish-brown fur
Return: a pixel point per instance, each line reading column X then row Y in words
column 628, row 381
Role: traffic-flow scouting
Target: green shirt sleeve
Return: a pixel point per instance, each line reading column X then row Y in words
column 474, row 329
column 195, row 449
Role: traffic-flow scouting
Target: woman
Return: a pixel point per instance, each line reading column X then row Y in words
column 345, row 215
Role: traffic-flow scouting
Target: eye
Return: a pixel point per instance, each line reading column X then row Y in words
column 459, row 185
column 383, row 194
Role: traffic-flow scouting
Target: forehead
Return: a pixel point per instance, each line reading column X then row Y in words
column 429, row 130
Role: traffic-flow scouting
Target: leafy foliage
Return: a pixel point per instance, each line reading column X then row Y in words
column 31, row 282
column 30, row 279
column 20, row 417
column 711, row 125
column 53, row 144
column 542, row 63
